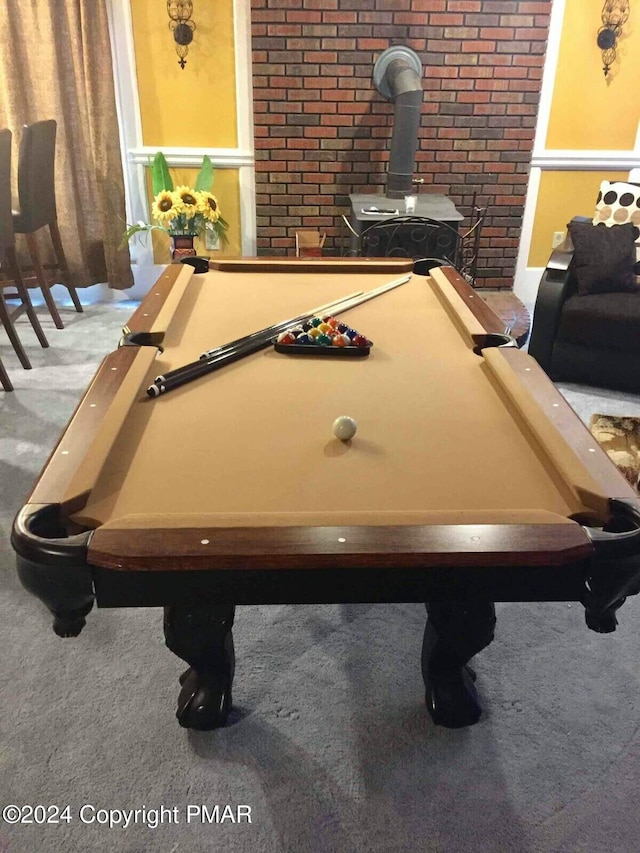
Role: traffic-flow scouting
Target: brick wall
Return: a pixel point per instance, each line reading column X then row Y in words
column 322, row 130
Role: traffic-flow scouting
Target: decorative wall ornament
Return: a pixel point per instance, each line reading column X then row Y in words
column 615, row 14
column 181, row 26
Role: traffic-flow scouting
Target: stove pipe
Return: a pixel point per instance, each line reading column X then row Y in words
column 397, row 75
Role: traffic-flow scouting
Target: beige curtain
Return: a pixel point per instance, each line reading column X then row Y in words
column 55, row 62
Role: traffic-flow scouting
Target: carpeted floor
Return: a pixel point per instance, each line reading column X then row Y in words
column 330, row 745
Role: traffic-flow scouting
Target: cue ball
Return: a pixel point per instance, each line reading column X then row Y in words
column 344, row 428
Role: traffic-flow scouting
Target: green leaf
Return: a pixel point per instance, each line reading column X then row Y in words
column 160, row 174
column 138, row 228
column 204, row 181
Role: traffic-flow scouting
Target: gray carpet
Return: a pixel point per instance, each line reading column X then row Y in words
column 330, row 744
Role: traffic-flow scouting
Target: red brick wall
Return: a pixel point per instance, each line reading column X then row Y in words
column 322, row 130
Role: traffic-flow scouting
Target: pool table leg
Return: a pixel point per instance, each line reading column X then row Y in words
column 201, row 635
column 67, row 591
column 454, row 633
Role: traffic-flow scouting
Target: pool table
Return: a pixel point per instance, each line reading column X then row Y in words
column 469, row 479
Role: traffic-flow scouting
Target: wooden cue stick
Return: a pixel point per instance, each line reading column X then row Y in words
column 371, row 294
column 201, row 367
column 267, row 333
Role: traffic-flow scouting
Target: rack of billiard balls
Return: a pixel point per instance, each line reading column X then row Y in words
column 323, row 336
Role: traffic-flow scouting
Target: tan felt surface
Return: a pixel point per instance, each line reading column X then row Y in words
column 253, row 442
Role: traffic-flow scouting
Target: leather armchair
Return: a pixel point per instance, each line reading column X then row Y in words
column 591, row 339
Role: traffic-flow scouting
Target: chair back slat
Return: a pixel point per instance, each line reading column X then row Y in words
column 7, row 237
column 36, row 175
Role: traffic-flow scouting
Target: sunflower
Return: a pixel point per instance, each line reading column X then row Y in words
column 165, row 206
column 188, row 201
column 208, row 206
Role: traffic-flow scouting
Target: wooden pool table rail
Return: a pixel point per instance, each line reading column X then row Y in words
column 393, row 266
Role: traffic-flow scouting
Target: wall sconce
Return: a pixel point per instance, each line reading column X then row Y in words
column 181, row 26
column 615, row 14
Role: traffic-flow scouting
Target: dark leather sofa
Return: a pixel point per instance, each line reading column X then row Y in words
column 590, row 339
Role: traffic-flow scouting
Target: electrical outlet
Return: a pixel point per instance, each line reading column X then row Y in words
column 558, row 238
column 211, row 239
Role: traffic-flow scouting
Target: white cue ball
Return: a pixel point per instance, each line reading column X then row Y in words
column 344, row 428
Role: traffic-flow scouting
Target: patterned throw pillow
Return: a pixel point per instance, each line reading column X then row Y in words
column 619, row 437
column 618, row 203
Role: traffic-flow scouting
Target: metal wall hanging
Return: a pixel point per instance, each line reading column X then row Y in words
column 181, row 26
column 615, row 14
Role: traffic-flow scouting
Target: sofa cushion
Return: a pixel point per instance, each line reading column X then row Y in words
column 604, row 258
column 602, row 321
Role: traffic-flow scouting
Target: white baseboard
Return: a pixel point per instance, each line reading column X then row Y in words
column 144, row 278
column 87, row 295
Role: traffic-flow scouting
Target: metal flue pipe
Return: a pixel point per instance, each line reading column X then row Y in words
column 397, row 75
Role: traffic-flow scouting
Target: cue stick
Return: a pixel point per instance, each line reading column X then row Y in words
column 269, row 332
column 242, row 346
column 284, row 325
column 251, row 344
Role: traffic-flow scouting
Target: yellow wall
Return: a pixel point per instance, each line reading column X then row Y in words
column 190, row 108
column 590, row 111
column 196, row 106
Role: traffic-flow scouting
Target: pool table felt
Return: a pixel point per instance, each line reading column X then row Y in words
column 444, row 436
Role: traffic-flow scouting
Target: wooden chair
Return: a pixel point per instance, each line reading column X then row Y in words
column 9, row 267
column 37, row 202
column 4, row 378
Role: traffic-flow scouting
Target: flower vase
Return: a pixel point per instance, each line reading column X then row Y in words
column 182, row 246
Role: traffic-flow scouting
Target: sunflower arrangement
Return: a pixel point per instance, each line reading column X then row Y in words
column 183, row 210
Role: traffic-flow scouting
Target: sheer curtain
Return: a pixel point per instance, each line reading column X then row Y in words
column 55, row 62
